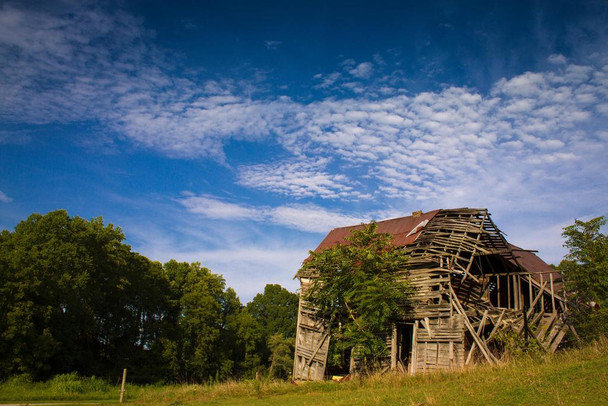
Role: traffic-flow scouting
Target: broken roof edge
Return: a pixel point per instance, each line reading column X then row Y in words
column 398, row 227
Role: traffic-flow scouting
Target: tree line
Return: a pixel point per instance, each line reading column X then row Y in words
column 75, row 298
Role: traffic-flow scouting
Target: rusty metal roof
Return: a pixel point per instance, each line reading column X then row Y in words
column 533, row 264
column 400, row 228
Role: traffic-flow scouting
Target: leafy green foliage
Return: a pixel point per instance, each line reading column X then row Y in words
column 276, row 309
column 76, row 301
column 275, row 312
column 75, row 298
column 585, row 270
column 281, row 356
column 200, row 311
column 515, row 345
column 357, row 289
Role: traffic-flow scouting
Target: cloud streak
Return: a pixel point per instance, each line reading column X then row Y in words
column 303, row 217
column 4, row 198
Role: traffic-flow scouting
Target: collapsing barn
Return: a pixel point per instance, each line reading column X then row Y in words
column 470, row 283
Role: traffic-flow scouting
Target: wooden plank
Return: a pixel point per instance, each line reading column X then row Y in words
column 414, row 348
column 295, row 355
column 394, row 347
column 481, row 325
column 426, row 323
column 552, row 293
column 545, row 326
column 530, row 293
column 541, row 291
column 482, row 346
column 559, row 338
column 542, row 298
column 496, row 325
column 321, row 342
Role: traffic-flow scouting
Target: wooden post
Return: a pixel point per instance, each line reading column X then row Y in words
column 530, row 291
column 394, row 348
column 498, row 290
column 122, row 386
column 552, row 293
column 522, row 304
column 297, row 372
column 542, row 298
column 509, row 292
column 413, row 366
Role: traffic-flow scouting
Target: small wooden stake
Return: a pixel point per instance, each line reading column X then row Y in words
column 122, row 386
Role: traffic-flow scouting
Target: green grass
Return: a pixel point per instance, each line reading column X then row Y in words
column 573, row 377
column 68, row 387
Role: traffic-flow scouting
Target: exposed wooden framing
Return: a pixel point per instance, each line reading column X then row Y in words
column 552, row 292
column 530, row 294
column 451, row 266
column 541, row 292
column 516, row 292
column 482, row 346
column 394, row 347
column 414, row 348
column 509, row 292
column 295, row 354
column 496, row 325
column 479, row 329
column 498, row 289
column 558, row 339
column 426, row 323
column 520, row 295
column 542, row 298
column 314, row 354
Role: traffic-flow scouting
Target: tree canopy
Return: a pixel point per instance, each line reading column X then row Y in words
column 75, row 298
column 359, row 289
column 585, row 270
column 276, row 312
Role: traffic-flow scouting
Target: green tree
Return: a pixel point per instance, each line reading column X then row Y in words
column 200, row 313
column 357, row 288
column 250, row 343
column 74, row 297
column 585, row 270
column 281, row 356
column 276, row 312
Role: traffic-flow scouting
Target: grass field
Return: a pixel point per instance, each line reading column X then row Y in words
column 573, row 377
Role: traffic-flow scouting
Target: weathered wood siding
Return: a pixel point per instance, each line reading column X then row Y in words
column 312, row 342
column 468, row 286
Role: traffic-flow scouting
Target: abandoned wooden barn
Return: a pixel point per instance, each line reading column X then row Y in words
column 470, row 285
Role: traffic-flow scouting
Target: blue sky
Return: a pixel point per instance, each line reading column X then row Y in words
column 238, row 133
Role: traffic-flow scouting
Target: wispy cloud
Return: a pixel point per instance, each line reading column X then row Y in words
column 217, row 209
column 4, row 198
column 272, row 45
column 362, row 71
column 299, row 178
column 303, row 217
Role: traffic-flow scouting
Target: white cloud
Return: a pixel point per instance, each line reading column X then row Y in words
column 297, row 178
column 312, row 218
column 309, row 217
column 217, row 209
column 362, row 71
column 248, row 269
column 4, row 198
column 272, row 45
column 557, row 59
